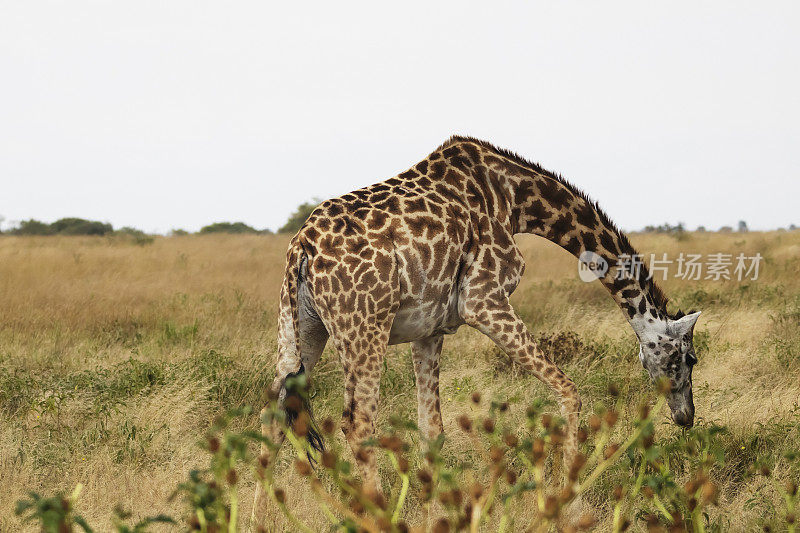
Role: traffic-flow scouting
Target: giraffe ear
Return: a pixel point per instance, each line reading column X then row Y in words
column 685, row 324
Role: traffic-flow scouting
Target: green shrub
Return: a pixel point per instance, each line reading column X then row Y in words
column 228, row 227
column 136, row 236
column 32, row 227
column 299, row 217
column 63, row 226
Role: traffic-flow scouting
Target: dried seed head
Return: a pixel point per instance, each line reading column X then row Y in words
column 709, row 492
column 765, row 471
column 476, row 398
column 611, row 450
column 280, row 495
column 263, row 460
column 231, row 477
column 791, row 518
column 424, row 476
column 644, row 411
column 566, row 494
column 402, row 464
column 538, row 450
column 465, row 423
column 618, row 492
column 510, row 439
column 611, row 418
column 692, row 504
column 293, row 403
column 575, row 468
column 476, row 491
column 503, row 407
column 441, row 526
column 648, row 442
column 356, row 506
column 550, row 507
column 302, row 467
column 613, row 390
column 362, row 455
column 300, row 426
column 648, row 492
column 791, row 488
column 378, row 499
column 328, row 459
column 594, row 423
column 547, row 420
column 586, row 521
column 213, row 444
column 496, row 453
column 511, row 477
column 488, row 425
column 582, row 435
column 328, row 426
column 391, row 442
column 446, row 499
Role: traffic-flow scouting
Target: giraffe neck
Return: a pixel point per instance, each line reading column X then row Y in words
column 544, row 204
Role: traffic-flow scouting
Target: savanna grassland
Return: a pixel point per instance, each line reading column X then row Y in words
column 115, row 358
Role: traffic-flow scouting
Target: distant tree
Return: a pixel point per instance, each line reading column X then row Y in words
column 666, row 228
column 299, row 217
column 80, row 226
column 792, row 227
column 178, row 233
column 228, row 227
column 742, row 228
column 32, row 227
column 700, row 229
column 725, row 229
column 136, row 236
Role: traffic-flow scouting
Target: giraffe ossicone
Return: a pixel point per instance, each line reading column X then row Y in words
column 414, row 257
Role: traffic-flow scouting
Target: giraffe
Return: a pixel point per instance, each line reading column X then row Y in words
column 413, row 258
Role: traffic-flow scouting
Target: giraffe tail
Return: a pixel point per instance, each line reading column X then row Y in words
column 296, row 387
column 296, row 384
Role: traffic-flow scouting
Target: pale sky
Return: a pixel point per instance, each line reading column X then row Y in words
column 175, row 114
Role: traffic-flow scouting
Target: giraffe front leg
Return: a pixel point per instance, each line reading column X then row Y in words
column 495, row 318
column 425, row 354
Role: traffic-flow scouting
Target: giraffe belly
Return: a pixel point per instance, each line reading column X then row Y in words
column 421, row 322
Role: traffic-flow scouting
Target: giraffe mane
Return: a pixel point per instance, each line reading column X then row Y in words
column 655, row 292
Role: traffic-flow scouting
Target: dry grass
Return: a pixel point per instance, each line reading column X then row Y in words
column 114, row 359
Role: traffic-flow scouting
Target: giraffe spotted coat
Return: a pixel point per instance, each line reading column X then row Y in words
column 414, row 257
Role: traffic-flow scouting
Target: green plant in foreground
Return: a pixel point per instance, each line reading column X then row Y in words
column 661, row 485
column 54, row 514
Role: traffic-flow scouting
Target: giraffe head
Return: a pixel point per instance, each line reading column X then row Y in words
column 666, row 351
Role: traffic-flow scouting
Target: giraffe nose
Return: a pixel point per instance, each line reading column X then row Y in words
column 683, row 418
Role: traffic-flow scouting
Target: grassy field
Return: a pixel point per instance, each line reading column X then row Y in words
column 116, row 357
